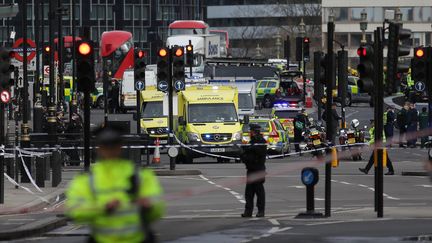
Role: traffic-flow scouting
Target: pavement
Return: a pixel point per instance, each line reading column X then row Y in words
column 206, row 207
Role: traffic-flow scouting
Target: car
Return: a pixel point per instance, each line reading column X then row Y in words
column 265, row 91
column 273, row 132
column 354, row 95
column 286, row 113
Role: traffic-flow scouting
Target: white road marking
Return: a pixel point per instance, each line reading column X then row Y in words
column 352, row 113
column 319, row 199
column 298, row 187
column 427, row 186
column 367, row 187
column 274, row 222
column 237, row 195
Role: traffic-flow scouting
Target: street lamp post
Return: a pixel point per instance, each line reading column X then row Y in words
column 363, row 25
column 258, row 51
column 278, row 45
column 398, row 16
column 302, row 33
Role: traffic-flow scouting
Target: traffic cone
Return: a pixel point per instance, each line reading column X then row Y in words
column 156, row 155
column 309, row 101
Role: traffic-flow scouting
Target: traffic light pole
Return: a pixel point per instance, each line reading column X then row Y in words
column 87, row 130
column 379, row 122
column 60, row 46
column 73, row 104
column 2, row 141
column 25, row 136
column 51, row 103
column 105, row 89
column 37, row 105
column 170, row 108
column 329, row 123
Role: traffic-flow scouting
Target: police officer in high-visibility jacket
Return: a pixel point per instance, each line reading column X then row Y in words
column 116, row 199
column 371, row 159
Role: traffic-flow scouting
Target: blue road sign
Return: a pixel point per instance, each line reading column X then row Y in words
column 309, row 176
column 139, row 85
column 420, row 86
column 163, row 86
column 179, row 85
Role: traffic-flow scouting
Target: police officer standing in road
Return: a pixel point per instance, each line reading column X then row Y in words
column 335, row 121
column 116, row 199
column 300, row 123
column 412, row 121
column 389, row 117
column 254, row 157
column 402, row 123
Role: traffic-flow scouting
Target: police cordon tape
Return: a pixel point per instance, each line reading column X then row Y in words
column 281, row 170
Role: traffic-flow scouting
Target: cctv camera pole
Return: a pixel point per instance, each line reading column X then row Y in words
column 379, row 122
column 25, row 137
column 330, row 77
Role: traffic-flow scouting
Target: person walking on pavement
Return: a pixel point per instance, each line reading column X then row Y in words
column 389, row 117
column 335, row 121
column 115, row 198
column 254, row 157
column 401, row 120
column 412, row 121
column 300, row 123
column 371, row 159
column 423, row 125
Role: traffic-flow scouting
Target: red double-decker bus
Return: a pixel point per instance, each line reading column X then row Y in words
column 117, row 47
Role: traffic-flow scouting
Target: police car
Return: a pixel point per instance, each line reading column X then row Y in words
column 286, row 112
column 273, row 132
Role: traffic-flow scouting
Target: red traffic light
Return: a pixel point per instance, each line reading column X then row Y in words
column 306, row 40
column 163, row 52
column 84, row 48
column 419, row 53
column 189, row 48
column 47, row 49
column 141, row 54
column 361, row 52
column 178, row 52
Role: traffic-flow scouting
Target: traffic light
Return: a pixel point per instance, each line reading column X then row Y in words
column 306, row 56
column 6, row 68
column 396, row 49
column 163, row 69
column 46, row 54
column 140, row 65
column 85, row 66
column 178, row 67
column 419, row 64
column 67, row 55
column 189, row 55
column 319, row 75
column 366, row 68
column 342, row 61
column 299, row 49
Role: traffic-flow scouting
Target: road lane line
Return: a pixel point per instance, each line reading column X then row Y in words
column 367, row 187
column 427, row 186
column 237, row 195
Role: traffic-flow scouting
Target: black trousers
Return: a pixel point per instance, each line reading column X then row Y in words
column 371, row 162
column 252, row 189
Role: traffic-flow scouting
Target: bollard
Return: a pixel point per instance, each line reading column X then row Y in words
column 40, row 171
column 56, row 169
column 334, row 158
column 309, row 177
column 47, row 168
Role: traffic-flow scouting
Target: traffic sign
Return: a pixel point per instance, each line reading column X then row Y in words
column 309, row 176
column 163, row 86
column 31, row 49
column 139, row 86
column 5, row 96
column 46, row 70
column 179, row 85
column 420, row 86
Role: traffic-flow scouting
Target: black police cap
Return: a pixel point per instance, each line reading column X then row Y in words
column 109, row 135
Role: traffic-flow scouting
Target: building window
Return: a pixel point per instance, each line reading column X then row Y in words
column 340, row 14
column 128, row 11
column 428, row 39
column 101, row 12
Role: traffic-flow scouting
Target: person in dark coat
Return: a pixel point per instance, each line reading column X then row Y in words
column 402, row 123
column 300, row 123
column 412, row 121
column 335, row 121
column 389, row 124
column 423, row 125
column 254, row 157
column 114, row 96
